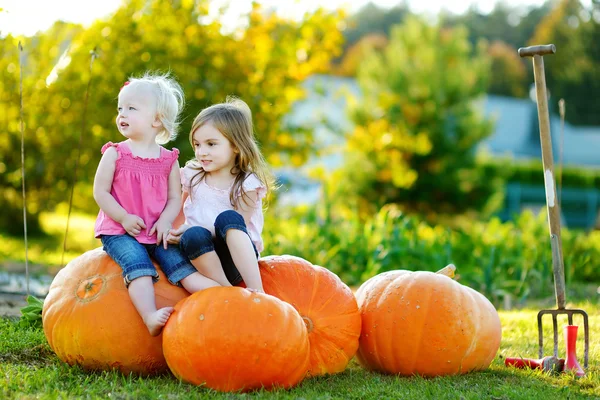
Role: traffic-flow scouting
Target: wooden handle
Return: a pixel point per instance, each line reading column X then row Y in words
column 537, row 50
column 550, row 184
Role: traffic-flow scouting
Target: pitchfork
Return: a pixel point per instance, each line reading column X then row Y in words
column 552, row 204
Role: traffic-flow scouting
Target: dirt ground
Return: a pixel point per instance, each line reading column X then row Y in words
column 11, row 304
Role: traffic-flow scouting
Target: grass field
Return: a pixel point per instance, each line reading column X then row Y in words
column 29, row 369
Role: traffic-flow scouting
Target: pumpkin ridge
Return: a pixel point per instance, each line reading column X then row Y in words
column 330, row 324
column 332, row 295
column 371, row 297
column 279, row 290
column 486, row 324
column 201, row 335
column 332, row 348
column 313, row 295
column 331, row 334
column 491, row 354
column 475, row 334
column 286, row 316
column 425, row 304
column 392, row 290
column 304, row 366
column 323, row 303
column 379, row 294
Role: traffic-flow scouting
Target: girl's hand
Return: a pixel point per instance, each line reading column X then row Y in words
column 175, row 234
column 133, row 224
column 162, row 229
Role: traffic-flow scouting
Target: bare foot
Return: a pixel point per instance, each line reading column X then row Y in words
column 156, row 320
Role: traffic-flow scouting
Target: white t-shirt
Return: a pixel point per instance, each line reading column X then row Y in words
column 206, row 202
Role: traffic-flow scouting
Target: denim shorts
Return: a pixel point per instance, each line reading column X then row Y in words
column 134, row 259
column 197, row 241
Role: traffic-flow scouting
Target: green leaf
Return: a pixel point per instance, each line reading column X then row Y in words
column 32, row 313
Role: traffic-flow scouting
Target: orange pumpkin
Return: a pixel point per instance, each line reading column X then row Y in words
column 326, row 304
column 232, row 339
column 425, row 323
column 90, row 320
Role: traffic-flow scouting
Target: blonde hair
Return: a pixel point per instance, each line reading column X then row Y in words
column 169, row 101
column 233, row 119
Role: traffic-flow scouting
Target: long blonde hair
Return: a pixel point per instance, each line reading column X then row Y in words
column 233, row 119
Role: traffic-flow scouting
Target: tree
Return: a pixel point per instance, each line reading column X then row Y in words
column 513, row 25
column 371, row 19
column 263, row 63
column 416, row 125
column 355, row 54
column 573, row 73
column 508, row 73
column 41, row 53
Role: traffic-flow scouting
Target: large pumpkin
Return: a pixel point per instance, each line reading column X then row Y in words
column 231, row 339
column 425, row 323
column 90, row 320
column 326, row 304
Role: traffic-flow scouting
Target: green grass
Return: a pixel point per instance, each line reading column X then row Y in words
column 29, row 369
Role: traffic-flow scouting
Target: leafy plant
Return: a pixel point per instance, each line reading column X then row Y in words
column 511, row 259
column 32, row 313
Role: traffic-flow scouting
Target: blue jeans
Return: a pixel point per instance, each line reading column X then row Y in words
column 197, row 241
column 134, row 259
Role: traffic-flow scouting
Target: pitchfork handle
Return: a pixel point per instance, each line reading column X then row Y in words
column 537, row 50
column 547, row 161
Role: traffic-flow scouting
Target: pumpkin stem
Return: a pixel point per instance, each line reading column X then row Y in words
column 309, row 324
column 448, row 270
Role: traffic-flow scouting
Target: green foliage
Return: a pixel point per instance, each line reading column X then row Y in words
column 355, row 54
column 531, row 172
column 32, row 313
column 510, row 24
column 264, row 64
column 497, row 259
column 416, row 125
column 508, row 73
column 371, row 19
column 573, row 74
column 31, row 370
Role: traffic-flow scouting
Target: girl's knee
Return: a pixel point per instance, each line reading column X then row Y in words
column 196, row 240
column 229, row 217
column 229, row 220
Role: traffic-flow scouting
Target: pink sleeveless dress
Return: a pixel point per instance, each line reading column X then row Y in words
column 140, row 185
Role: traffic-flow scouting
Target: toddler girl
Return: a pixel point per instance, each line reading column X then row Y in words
column 137, row 187
column 223, row 188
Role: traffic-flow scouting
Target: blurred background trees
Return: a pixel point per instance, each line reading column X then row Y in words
column 416, row 126
column 264, row 64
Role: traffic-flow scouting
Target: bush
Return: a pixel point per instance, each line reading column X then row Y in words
column 492, row 257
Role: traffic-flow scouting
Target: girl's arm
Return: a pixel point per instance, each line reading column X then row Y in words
column 247, row 205
column 165, row 222
column 174, row 236
column 180, row 218
column 174, row 196
column 103, row 183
